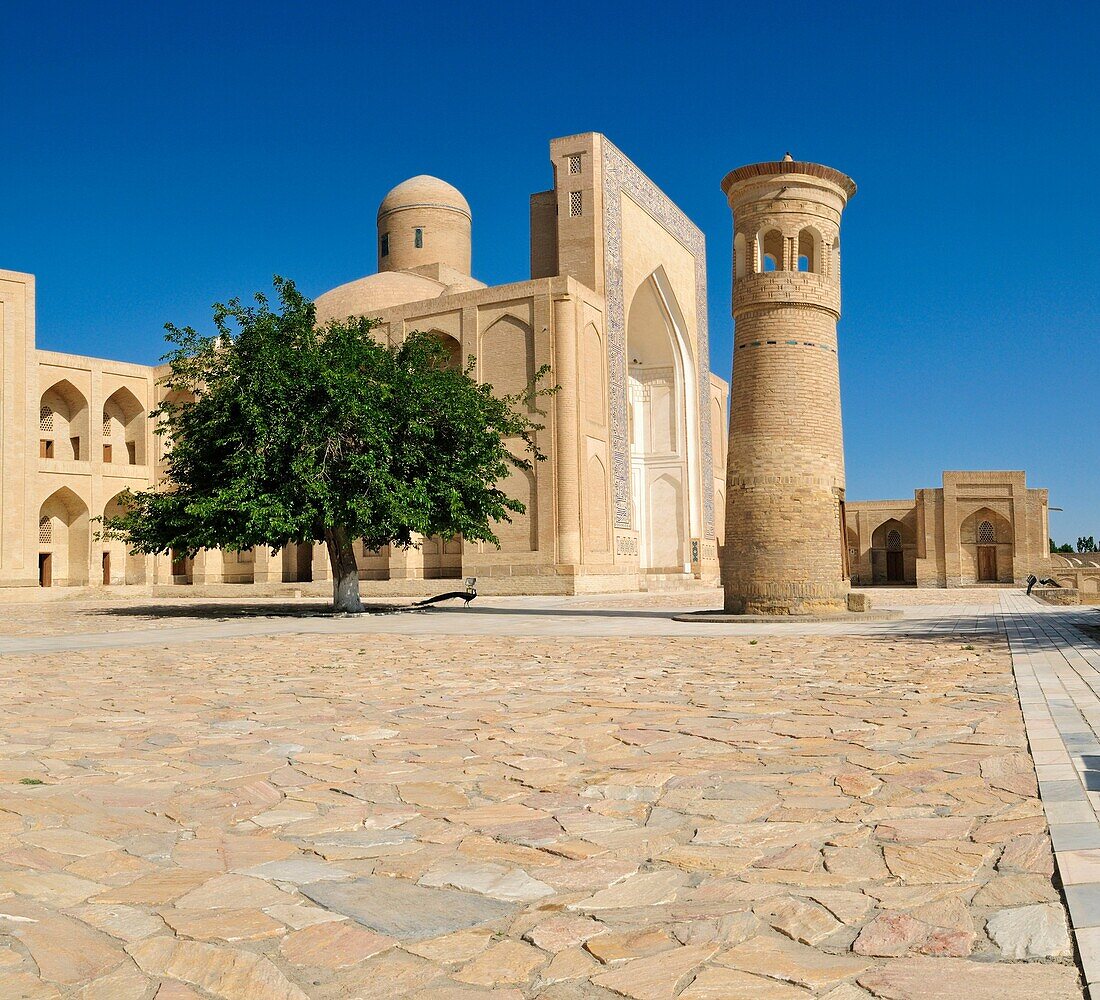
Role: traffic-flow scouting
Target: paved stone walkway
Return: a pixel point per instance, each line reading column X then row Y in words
column 598, row 803
column 1058, row 675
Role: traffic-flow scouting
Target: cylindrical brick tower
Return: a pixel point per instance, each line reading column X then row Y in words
column 785, row 547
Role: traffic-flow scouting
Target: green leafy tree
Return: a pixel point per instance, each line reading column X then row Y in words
column 1064, row 547
column 282, row 432
column 1086, row 544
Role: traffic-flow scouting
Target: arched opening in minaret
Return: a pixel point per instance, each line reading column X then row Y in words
column 663, row 428
column 770, row 251
column 809, row 250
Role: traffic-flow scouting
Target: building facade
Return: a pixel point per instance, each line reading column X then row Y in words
column 615, row 304
column 977, row 528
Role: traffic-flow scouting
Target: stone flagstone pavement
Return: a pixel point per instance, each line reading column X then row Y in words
column 596, row 803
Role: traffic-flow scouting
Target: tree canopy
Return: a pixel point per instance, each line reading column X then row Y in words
column 280, row 432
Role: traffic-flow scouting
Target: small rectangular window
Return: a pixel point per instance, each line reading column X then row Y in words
column 385, row 244
column 107, row 453
column 575, row 163
column 418, row 238
column 575, row 203
column 45, row 449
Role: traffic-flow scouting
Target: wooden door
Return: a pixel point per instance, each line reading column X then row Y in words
column 987, row 563
column 106, row 569
column 895, row 567
column 45, row 569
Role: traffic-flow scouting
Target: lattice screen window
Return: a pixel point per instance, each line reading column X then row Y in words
column 106, row 426
column 45, row 530
column 45, row 418
column 576, row 203
column 893, row 541
column 986, row 534
column 575, row 163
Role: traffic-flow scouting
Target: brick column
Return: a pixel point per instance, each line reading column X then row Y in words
column 209, row 566
column 568, row 513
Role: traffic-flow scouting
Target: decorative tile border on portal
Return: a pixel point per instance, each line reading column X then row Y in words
column 620, row 177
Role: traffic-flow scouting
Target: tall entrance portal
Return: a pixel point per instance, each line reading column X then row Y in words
column 662, row 416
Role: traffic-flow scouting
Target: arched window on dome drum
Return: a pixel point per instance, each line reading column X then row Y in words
column 893, row 541
column 385, row 244
column 986, row 534
column 418, row 238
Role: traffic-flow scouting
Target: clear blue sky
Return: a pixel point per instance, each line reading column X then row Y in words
column 159, row 157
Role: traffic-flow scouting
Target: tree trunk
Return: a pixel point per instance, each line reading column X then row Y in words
column 345, row 571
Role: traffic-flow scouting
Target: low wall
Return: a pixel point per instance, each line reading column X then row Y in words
column 1057, row 595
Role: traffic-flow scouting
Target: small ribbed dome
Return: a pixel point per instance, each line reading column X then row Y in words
column 424, row 191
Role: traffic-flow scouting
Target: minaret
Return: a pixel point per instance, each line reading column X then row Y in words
column 785, row 547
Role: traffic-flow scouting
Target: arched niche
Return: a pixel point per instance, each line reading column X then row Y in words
column 520, row 534
column 63, row 423
column 894, row 552
column 64, row 536
column 597, row 524
column 664, row 425
column 986, row 547
column 719, row 434
column 118, row 565
column 452, row 346
column 174, row 399
column 507, row 358
column 123, row 429
column 594, row 376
